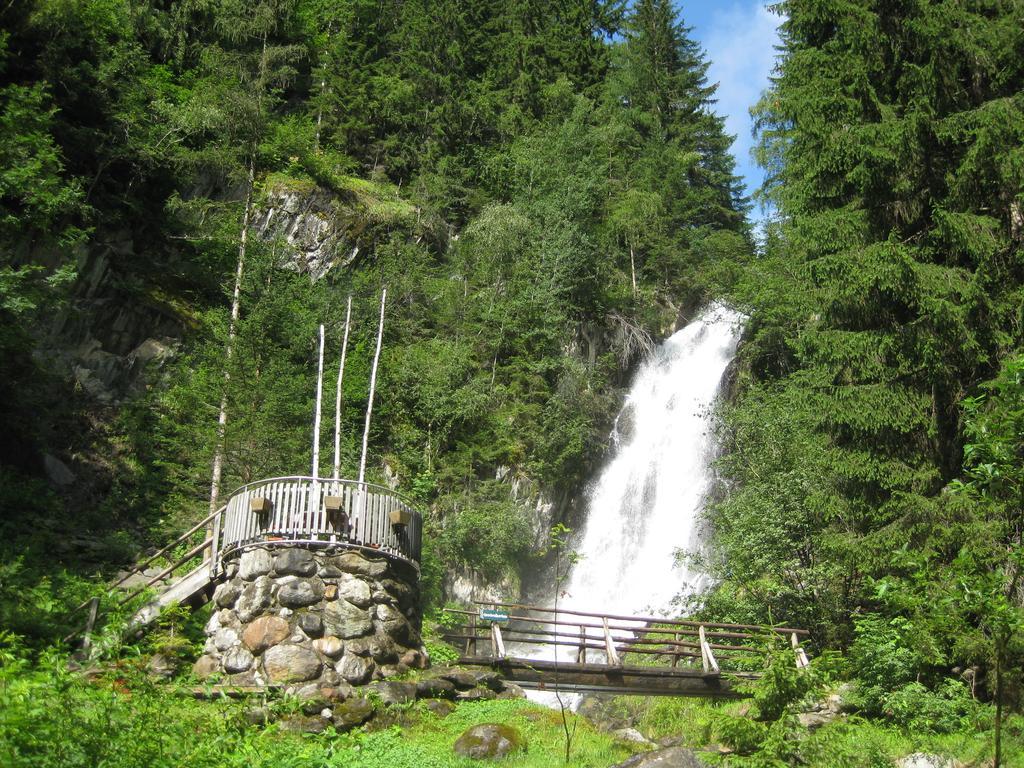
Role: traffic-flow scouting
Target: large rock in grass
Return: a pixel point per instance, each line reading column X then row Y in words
column 352, row 713
column 925, row 760
column 489, row 741
column 672, row 757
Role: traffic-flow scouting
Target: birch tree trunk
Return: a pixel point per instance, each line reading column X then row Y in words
column 236, row 300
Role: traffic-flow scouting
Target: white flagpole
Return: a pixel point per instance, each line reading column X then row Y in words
column 337, row 395
column 373, row 386
column 319, row 398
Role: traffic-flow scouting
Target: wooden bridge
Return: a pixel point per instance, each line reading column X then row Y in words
column 617, row 654
column 304, row 511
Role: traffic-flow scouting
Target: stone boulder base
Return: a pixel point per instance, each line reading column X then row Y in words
column 489, row 741
column 294, row 615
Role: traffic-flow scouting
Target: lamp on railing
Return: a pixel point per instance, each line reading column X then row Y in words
column 260, row 506
column 334, row 505
column 400, row 518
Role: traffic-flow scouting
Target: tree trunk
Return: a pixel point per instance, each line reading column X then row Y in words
column 632, row 267
column 236, row 300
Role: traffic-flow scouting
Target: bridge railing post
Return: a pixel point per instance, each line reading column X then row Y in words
column 497, row 644
column 801, row 655
column 471, row 641
column 581, row 653
column 706, row 655
column 609, row 645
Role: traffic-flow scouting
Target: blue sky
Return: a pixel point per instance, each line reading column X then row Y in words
column 739, row 38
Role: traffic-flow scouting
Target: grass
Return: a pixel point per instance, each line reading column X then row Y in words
column 50, row 718
column 851, row 742
column 428, row 742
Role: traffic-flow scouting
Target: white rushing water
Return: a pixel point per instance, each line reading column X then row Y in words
column 646, row 503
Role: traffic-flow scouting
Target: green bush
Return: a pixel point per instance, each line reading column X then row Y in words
column 947, row 709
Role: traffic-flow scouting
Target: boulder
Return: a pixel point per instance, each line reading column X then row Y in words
column 435, row 688
column 393, row 622
column 295, row 561
column 257, row 715
column 672, row 757
column 489, row 741
column 311, row 624
column 355, row 590
column 265, row 632
column 487, row 679
column 395, row 692
column 224, row 638
column 383, row 649
column 463, row 680
column 812, row 721
column 353, row 562
column 401, row 592
column 226, row 594
column 162, row 666
column 205, row 666
column 511, row 691
column 301, row 593
column 345, row 620
column 352, row 713
column 255, row 598
column 925, row 760
column 291, row 664
column 303, row 724
column 330, row 646
column 355, row 669
column 476, row 694
column 631, row 735
column 338, row 692
column 439, row 707
column 414, row 659
column 238, row 659
column 255, row 562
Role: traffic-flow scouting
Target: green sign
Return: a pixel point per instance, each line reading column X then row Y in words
column 494, row 614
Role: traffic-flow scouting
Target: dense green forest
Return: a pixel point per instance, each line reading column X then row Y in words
column 545, row 190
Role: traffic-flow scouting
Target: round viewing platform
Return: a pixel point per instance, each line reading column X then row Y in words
column 318, row 512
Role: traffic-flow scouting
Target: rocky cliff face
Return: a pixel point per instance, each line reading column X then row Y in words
column 312, row 227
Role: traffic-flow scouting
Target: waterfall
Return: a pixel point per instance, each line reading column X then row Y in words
column 646, row 502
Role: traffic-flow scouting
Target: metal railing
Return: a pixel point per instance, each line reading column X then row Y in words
column 318, row 511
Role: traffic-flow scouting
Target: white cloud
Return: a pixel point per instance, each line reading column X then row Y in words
column 740, row 41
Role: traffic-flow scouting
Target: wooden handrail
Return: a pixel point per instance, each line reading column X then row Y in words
column 141, row 566
column 637, row 629
column 646, row 619
column 169, row 569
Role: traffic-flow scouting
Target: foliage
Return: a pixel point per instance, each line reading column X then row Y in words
column 50, row 716
column 857, row 454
